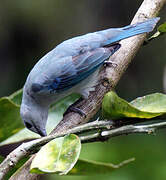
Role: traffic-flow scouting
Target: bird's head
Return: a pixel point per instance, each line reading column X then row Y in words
column 34, row 117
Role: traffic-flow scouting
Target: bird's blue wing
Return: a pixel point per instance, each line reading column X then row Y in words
column 70, row 71
column 80, row 67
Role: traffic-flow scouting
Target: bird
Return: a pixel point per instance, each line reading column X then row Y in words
column 71, row 67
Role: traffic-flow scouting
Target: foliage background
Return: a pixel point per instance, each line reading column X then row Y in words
column 29, row 29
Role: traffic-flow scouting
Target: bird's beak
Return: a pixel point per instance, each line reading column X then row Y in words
column 42, row 132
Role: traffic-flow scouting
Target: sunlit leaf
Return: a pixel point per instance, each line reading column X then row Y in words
column 150, row 106
column 154, row 103
column 58, row 156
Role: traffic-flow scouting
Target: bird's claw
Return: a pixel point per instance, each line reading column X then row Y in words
column 110, row 64
column 76, row 110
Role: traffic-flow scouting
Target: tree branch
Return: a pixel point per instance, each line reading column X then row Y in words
column 124, row 130
column 31, row 147
column 105, row 131
column 109, row 77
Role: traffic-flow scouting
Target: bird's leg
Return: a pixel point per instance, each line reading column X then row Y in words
column 76, row 110
column 72, row 108
column 109, row 64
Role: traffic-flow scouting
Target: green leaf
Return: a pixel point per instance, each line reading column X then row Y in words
column 57, row 156
column 160, row 31
column 162, row 28
column 154, row 103
column 1, row 158
column 16, row 97
column 88, row 167
column 55, row 115
column 57, row 110
column 10, row 118
column 150, row 106
column 22, row 135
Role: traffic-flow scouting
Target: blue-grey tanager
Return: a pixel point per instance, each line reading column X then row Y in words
column 72, row 66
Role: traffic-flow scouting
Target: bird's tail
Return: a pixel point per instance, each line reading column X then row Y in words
column 139, row 28
column 117, row 34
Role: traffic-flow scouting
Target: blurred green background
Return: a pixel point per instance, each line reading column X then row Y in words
column 29, row 29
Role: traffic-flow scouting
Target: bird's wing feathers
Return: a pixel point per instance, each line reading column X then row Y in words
column 74, row 69
column 82, row 66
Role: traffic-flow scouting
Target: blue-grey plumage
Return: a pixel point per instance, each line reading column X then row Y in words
column 72, row 66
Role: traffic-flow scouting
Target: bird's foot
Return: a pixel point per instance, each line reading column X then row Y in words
column 74, row 109
column 110, row 64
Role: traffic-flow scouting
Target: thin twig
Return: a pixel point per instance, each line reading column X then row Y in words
column 124, row 130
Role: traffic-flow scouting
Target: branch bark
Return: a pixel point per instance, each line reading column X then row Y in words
column 109, row 77
column 105, row 130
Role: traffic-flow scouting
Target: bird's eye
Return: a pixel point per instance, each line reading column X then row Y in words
column 28, row 125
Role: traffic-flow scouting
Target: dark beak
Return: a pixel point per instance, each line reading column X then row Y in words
column 42, row 132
